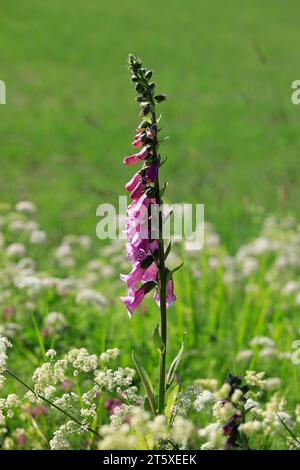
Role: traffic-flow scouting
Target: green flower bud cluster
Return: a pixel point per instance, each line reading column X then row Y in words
column 144, row 87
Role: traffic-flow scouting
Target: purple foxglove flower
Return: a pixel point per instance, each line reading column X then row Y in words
column 151, row 173
column 133, row 182
column 153, row 245
column 150, row 273
column 232, row 424
column 171, row 297
column 137, row 254
column 134, row 276
column 142, row 244
column 136, row 157
column 151, row 132
column 133, row 233
column 137, row 140
column 140, row 235
column 138, row 190
column 138, row 206
column 133, row 300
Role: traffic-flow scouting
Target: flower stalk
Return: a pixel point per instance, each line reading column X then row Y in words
column 50, row 403
column 162, row 294
column 147, row 253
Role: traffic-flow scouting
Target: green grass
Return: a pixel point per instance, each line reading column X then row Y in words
column 219, row 320
column 70, row 113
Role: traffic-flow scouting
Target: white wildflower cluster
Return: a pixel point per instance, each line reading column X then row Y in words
column 64, row 256
column 109, row 355
column 4, row 345
column 123, row 439
column 181, row 431
column 50, row 354
column 255, row 379
column 264, row 348
column 251, row 427
column 120, row 415
column 8, row 404
column 120, row 379
column 140, row 430
column 204, row 397
column 270, row 415
column 89, row 413
column 223, row 410
column 60, row 440
column 292, row 443
column 236, row 408
column 297, row 413
column 66, row 400
column 158, row 428
column 16, row 250
column 91, row 297
column 73, row 282
column 55, row 321
column 82, row 361
column 262, row 341
column 213, row 436
column 38, row 237
column 207, row 384
column 277, row 245
column 185, row 400
column 26, row 206
column 91, row 395
column 48, row 375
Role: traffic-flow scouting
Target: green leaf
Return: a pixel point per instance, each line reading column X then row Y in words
column 145, row 381
column 174, row 365
column 158, row 341
column 164, row 139
column 163, row 189
column 167, row 252
column 163, row 162
column 39, row 337
column 170, row 273
column 171, row 400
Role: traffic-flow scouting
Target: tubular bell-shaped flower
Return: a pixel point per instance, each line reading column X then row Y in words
column 144, row 252
column 170, row 298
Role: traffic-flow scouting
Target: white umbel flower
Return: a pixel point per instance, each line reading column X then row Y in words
column 25, row 206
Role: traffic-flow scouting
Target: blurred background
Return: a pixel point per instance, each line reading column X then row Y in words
column 227, row 68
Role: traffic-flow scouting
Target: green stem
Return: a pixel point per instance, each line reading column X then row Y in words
column 163, row 333
column 288, row 429
column 162, row 290
column 49, row 402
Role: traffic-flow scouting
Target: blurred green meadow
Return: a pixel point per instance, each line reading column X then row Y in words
column 70, row 115
column 227, row 69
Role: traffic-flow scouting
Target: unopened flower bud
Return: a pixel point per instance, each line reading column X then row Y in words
column 139, row 88
column 131, row 59
column 160, row 98
column 143, row 125
column 146, row 107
